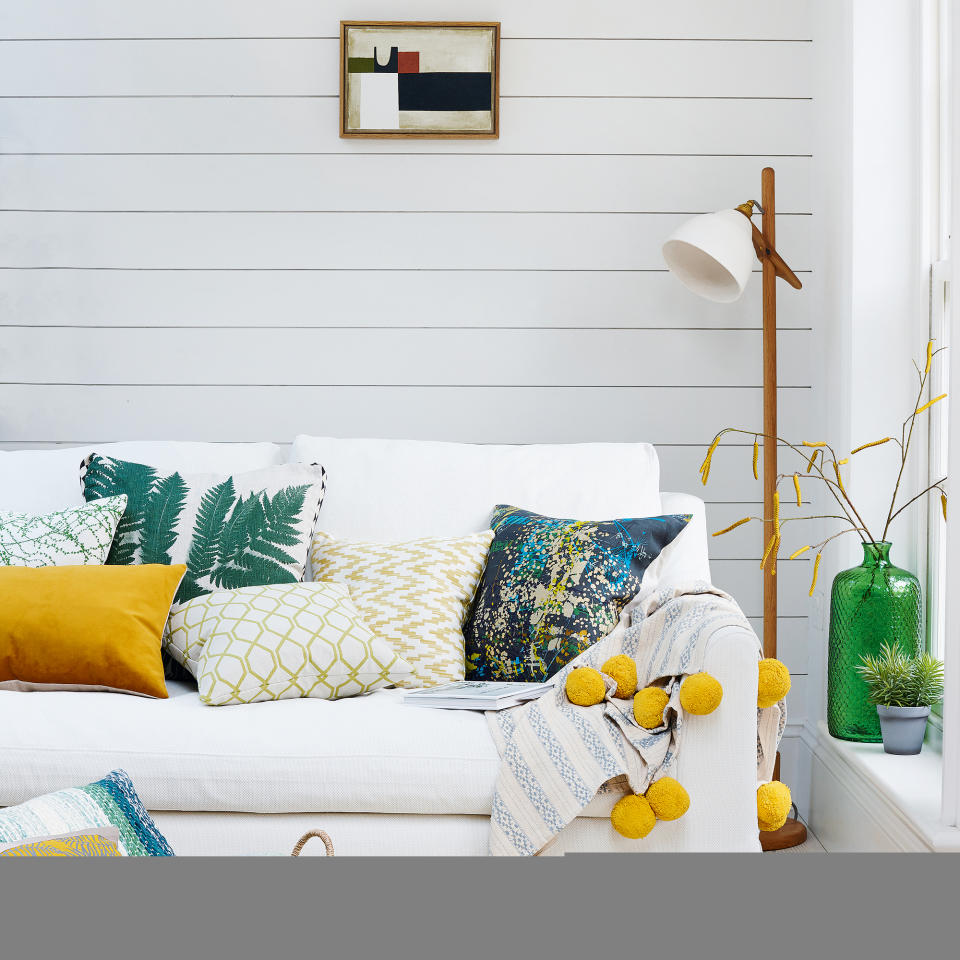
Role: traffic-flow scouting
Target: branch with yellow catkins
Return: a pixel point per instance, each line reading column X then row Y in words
column 815, row 465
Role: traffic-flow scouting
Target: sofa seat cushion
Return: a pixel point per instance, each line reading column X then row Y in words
column 364, row 754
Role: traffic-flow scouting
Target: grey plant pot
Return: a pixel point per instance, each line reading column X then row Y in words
column 903, row 728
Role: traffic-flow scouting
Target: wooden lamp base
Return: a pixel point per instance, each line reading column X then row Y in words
column 791, row 834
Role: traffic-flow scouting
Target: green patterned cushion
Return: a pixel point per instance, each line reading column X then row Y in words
column 77, row 536
column 110, row 801
column 280, row 642
column 234, row 531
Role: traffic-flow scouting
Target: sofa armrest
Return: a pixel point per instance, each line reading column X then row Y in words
column 718, row 760
column 717, row 763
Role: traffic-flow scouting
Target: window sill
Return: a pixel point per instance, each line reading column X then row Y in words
column 865, row 799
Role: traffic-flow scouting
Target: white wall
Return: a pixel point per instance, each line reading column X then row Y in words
column 876, row 269
column 187, row 249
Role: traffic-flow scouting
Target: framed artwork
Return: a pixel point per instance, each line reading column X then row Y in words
column 419, row 79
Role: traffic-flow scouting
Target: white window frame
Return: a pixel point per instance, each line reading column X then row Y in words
column 950, row 807
column 935, row 251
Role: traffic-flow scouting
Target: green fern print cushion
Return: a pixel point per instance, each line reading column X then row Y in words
column 77, row 536
column 239, row 531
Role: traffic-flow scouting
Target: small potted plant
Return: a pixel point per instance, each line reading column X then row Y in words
column 904, row 688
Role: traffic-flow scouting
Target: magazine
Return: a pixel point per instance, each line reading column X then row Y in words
column 477, row 694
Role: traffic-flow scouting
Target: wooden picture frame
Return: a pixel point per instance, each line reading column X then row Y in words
column 432, row 122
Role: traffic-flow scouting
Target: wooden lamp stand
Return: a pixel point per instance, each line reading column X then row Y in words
column 793, row 832
column 710, row 255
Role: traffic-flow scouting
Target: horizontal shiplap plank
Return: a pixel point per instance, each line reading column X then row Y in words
column 747, row 541
column 731, row 480
column 792, row 646
column 297, row 125
column 731, row 475
column 797, row 697
column 386, row 182
column 743, row 579
column 777, row 19
column 493, row 241
column 668, row 358
column 478, row 414
column 221, row 298
column 307, row 67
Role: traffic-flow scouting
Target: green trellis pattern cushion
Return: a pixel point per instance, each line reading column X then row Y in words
column 77, row 536
column 235, row 531
column 280, row 642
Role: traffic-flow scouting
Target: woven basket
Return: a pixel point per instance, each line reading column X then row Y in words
column 302, row 842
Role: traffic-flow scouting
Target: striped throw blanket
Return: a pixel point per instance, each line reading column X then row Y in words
column 556, row 756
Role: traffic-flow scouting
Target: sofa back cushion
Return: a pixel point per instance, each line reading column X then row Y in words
column 409, row 489
column 41, row 481
column 687, row 557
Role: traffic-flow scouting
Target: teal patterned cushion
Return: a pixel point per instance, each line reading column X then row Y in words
column 553, row 587
column 76, row 536
column 111, row 800
column 237, row 531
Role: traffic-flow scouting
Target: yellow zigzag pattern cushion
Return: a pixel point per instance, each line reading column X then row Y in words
column 414, row 595
column 280, row 642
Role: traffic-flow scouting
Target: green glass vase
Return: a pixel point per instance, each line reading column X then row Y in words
column 869, row 605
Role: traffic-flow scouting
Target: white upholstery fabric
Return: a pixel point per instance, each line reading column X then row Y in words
column 686, row 558
column 371, row 753
column 353, row 834
column 365, row 755
column 408, row 835
column 406, row 489
column 40, row 481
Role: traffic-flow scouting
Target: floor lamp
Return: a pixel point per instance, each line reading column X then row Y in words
column 713, row 255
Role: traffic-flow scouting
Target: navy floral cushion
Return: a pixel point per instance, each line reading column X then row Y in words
column 552, row 588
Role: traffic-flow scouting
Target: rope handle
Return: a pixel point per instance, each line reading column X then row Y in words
column 322, row 834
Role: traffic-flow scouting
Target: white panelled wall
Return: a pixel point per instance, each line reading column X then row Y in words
column 188, row 249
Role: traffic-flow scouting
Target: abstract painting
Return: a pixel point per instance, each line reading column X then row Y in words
column 419, row 79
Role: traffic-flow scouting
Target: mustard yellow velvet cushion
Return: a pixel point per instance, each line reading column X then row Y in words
column 85, row 627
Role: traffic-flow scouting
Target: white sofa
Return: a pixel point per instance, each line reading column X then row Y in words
column 379, row 776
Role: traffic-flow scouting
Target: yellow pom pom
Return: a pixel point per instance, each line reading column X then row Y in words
column 585, row 687
column 773, row 805
column 623, row 669
column 774, row 683
column 700, row 694
column 668, row 799
column 648, row 707
column 632, row 817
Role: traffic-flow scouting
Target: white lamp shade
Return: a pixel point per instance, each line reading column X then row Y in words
column 713, row 254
